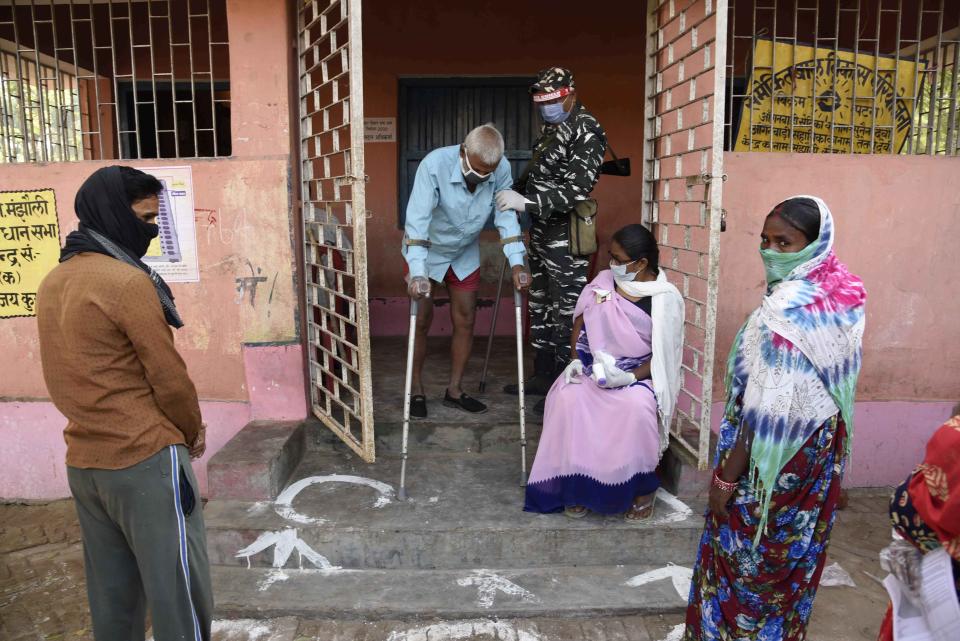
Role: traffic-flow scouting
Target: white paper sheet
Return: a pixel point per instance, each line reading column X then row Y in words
column 938, row 616
column 940, row 607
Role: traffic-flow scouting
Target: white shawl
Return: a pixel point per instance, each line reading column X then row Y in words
column 667, row 312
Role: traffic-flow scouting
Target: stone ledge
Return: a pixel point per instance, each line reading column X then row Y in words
column 256, row 463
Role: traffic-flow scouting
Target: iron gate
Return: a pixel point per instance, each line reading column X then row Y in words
column 334, row 218
column 686, row 46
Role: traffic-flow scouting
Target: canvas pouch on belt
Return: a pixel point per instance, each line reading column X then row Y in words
column 583, row 228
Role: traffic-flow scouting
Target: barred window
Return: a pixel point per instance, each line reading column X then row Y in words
column 94, row 80
column 843, row 76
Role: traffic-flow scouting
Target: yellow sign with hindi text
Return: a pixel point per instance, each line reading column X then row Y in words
column 29, row 248
column 805, row 99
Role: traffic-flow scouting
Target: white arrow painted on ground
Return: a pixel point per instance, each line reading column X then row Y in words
column 283, row 504
column 460, row 630
column 489, row 583
column 285, row 542
column 676, row 633
column 680, row 511
column 680, row 576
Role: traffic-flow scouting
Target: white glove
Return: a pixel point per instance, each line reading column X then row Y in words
column 418, row 287
column 607, row 375
column 509, row 199
column 572, row 372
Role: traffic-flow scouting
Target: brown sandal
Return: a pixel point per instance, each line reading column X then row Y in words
column 575, row 512
column 638, row 513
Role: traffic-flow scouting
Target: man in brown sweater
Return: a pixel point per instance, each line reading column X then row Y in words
column 112, row 369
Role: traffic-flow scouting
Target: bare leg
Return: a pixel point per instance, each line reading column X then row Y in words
column 463, row 314
column 424, row 321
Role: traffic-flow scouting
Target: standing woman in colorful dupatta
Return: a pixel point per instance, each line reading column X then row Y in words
column 784, row 439
column 606, row 418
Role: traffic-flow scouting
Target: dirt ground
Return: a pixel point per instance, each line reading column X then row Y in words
column 43, row 596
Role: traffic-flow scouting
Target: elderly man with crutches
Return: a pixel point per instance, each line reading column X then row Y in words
column 451, row 201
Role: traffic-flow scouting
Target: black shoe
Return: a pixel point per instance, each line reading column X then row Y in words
column 540, row 407
column 464, row 403
column 418, row 406
column 536, row 385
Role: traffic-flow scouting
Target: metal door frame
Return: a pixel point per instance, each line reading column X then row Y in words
column 660, row 57
column 343, row 366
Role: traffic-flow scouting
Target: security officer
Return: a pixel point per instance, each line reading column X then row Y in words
column 564, row 169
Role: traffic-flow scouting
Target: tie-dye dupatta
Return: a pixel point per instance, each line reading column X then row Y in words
column 795, row 362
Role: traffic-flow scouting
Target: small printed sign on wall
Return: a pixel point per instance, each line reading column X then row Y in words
column 379, row 130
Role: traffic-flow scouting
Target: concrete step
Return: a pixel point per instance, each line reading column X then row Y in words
column 561, row 591
column 464, row 511
column 605, row 628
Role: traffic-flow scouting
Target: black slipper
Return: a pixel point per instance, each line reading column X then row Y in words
column 464, row 403
column 418, row 406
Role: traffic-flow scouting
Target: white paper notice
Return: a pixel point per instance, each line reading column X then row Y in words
column 937, row 618
column 173, row 254
column 908, row 623
column 940, row 606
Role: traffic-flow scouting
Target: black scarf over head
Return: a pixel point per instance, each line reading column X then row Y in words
column 109, row 226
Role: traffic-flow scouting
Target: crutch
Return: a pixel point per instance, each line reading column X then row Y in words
column 493, row 325
column 518, row 313
column 411, row 340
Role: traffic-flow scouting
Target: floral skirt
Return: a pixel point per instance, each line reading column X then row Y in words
column 765, row 593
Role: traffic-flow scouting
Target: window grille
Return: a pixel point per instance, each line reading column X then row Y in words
column 128, row 79
column 843, row 76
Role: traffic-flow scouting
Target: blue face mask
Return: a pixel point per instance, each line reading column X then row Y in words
column 553, row 113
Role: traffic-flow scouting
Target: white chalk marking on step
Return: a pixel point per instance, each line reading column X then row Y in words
column 272, row 577
column 461, row 630
column 291, row 514
column 676, row 633
column 488, row 583
column 285, row 542
column 258, row 507
column 679, row 575
column 680, row 510
column 248, row 629
column 284, row 502
column 836, row 576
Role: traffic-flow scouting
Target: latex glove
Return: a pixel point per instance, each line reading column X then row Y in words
column 572, row 372
column 418, row 287
column 607, row 375
column 509, row 199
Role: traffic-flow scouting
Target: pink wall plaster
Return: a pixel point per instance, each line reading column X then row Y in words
column 275, row 382
column 32, row 463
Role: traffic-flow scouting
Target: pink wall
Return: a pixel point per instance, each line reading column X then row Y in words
column 897, row 220
column 243, row 352
column 31, row 459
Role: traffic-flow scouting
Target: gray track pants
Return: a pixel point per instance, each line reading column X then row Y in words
column 141, row 551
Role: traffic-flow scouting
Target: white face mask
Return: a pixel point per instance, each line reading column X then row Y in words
column 620, row 273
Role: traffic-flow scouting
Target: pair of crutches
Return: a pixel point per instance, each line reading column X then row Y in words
column 411, row 341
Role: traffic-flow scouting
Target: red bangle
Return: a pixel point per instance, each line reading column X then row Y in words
column 720, row 484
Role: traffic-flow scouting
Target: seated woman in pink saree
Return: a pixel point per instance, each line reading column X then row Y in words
column 606, row 419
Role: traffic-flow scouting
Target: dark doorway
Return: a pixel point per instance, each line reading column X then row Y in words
column 437, row 112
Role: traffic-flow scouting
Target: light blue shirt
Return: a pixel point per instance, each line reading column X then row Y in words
column 442, row 210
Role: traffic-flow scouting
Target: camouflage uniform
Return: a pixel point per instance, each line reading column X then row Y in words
column 566, row 171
